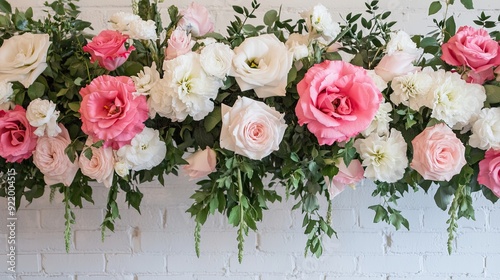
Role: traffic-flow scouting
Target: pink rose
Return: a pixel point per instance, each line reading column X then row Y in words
column 478, row 77
column 17, row 138
column 110, row 112
column 101, row 166
column 475, row 49
column 108, row 48
column 50, row 157
column 396, row 64
column 489, row 171
column 201, row 163
column 337, row 101
column 497, row 72
column 179, row 43
column 196, row 19
column 347, row 175
column 438, row 154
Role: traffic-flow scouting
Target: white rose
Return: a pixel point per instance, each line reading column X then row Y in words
column 456, row 102
column 251, row 128
column 413, row 90
column 216, row 59
column 120, row 21
column 383, row 156
column 146, row 79
column 142, row 30
column 186, row 89
column 262, row 63
column 6, row 92
column 320, row 21
column 486, row 130
column 145, row 151
column 43, row 115
column 298, row 44
column 23, row 58
column 380, row 123
column 401, row 41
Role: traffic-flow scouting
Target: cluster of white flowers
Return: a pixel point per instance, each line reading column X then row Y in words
column 133, row 26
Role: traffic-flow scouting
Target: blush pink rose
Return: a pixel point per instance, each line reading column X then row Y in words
column 50, row 157
column 347, row 175
column 438, row 154
column 475, row 49
column 201, row 163
column 100, row 166
column 489, row 171
column 179, row 43
column 17, row 138
column 396, row 64
column 197, row 20
column 108, row 48
column 110, row 112
column 337, row 101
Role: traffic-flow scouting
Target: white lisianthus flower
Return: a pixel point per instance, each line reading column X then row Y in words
column 262, row 63
column 456, row 102
column 6, row 92
column 413, row 90
column 120, row 21
column 43, row 115
column 298, row 44
column 142, row 30
column 380, row 123
column 383, row 156
column 216, row 60
column 486, row 130
column 251, row 128
column 320, row 21
column 145, row 151
column 24, row 58
column 146, row 79
column 401, row 41
column 186, row 89
column 379, row 82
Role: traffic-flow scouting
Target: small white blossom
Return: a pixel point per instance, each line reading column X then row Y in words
column 401, row 41
column 120, row 21
column 142, row 30
column 486, row 130
column 383, row 156
column 122, row 168
column 216, row 60
column 320, row 21
column 413, row 90
column 43, row 115
column 145, row 151
column 6, row 92
column 380, row 123
column 146, row 79
column 298, row 45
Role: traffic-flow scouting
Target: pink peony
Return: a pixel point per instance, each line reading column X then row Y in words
column 196, row 19
column 17, row 138
column 110, row 112
column 179, row 43
column 438, row 154
column 396, row 64
column 475, row 49
column 50, row 157
column 337, row 101
column 201, row 163
column 489, row 171
column 108, row 48
column 100, row 166
column 347, row 175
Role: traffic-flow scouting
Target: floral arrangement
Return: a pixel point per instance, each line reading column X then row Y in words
column 310, row 105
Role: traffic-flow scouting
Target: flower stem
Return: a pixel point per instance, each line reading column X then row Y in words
column 241, row 230
column 453, row 212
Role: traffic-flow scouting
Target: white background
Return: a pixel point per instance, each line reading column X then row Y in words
column 159, row 243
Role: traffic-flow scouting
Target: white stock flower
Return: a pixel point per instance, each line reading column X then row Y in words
column 145, row 151
column 142, row 30
column 486, row 130
column 251, row 128
column 120, row 21
column 43, row 115
column 456, row 102
column 413, row 90
column 146, row 79
column 320, row 21
column 401, row 41
column 298, row 44
column 23, row 58
column 216, row 60
column 6, row 92
column 186, row 89
column 383, row 156
column 380, row 123
column 262, row 63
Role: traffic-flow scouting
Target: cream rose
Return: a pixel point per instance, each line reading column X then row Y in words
column 251, row 128
column 201, row 163
column 100, row 166
column 50, row 157
column 262, row 63
column 24, row 58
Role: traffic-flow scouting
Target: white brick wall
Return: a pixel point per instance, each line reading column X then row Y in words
column 159, row 243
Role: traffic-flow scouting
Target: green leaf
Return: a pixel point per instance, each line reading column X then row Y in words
column 451, row 27
column 234, row 216
column 74, row 106
column 310, row 203
column 435, row 7
column 270, row 17
column 214, row 118
column 238, row 9
column 36, row 90
column 468, row 4
column 444, row 196
column 492, row 93
column 380, row 213
column 5, row 7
